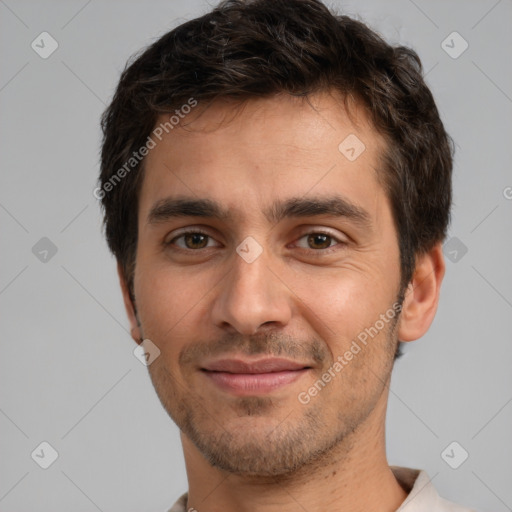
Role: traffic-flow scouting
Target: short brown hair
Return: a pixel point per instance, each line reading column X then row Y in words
column 247, row 49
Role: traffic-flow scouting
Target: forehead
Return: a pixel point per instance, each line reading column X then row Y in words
column 244, row 155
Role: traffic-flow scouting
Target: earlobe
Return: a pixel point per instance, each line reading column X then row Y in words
column 422, row 295
column 129, row 306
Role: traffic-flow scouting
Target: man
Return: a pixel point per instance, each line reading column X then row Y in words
column 276, row 184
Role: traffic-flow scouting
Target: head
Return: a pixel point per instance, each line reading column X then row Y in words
column 305, row 131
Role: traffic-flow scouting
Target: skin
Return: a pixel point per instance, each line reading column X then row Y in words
column 303, row 298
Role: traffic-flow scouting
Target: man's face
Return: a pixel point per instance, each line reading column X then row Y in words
column 245, row 334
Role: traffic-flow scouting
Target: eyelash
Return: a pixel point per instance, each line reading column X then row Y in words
column 200, row 232
column 184, row 233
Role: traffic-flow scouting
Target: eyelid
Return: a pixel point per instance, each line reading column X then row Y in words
column 168, row 240
column 341, row 238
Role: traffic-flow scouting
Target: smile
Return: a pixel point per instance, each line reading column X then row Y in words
column 253, row 378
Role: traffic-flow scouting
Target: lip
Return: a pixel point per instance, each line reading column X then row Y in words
column 244, row 378
column 268, row 365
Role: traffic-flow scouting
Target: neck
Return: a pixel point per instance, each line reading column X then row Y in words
column 353, row 477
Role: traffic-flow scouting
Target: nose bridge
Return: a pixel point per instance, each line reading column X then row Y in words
column 250, row 295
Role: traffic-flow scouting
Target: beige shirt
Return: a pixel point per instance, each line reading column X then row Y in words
column 422, row 496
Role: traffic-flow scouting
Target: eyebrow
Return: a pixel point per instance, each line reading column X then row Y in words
column 294, row 207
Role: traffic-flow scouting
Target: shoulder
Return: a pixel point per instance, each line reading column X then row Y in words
column 422, row 495
column 180, row 505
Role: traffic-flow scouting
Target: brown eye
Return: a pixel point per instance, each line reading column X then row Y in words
column 192, row 240
column 319, row 241
column 195, row 240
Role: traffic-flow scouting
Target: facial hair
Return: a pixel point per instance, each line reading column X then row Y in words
column 306, row 437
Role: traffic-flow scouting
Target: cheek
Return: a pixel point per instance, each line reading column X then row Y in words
column 343, row 311
column 340, row 303
column 168, row 305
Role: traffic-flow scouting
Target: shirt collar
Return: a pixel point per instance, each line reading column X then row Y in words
column 422, row 495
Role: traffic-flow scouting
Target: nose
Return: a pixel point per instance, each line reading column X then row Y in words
column 251, row 297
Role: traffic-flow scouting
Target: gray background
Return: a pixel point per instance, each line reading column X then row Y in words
column 68, row 373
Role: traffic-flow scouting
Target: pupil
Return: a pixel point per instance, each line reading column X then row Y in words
column 322, row 240
column 195, row 239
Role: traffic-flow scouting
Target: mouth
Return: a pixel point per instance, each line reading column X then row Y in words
column 244, row 378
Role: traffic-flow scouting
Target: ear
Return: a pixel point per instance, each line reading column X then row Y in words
column 422, row 295
column 130, row 308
